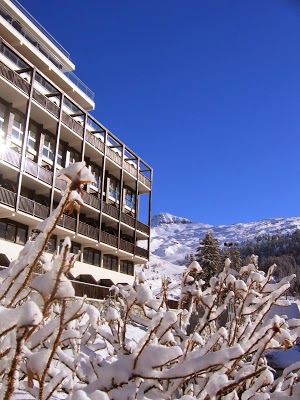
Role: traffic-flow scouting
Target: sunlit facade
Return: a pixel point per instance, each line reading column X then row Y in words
column 46, row 125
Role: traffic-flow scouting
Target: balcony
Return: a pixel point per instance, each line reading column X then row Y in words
column 42, row 48
column 88, row 230
column 10, row 156
column 14, row 78
column 7, row 197
column 38, row 172
column 33, row 208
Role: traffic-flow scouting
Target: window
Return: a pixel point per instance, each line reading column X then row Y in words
column 75, row 248
column 48, row 148
column 2, row 117
column 114, row 190
column 74, row 157
column 130, row 198
column 32, row 136
column 110, row 262
column 60, row 155
column 21, row 236
column 91, row 256
column 96, row 171
column 52, row 244
column 17, row 129
column 13, row 231
column 126, row 267
column 13, row 57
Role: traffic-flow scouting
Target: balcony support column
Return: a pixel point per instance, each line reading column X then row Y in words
column 58, row 128
column 121, row 198
column 150, row 211
column 137, row 207
column 25, row 139
column 102, row 188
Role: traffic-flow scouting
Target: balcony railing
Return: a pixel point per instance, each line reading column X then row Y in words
column 91, row 200
column 72, row 124
column 67, row 222
column 126, row 246
column 111, row 210
column 33, row 208
column 88, row 230
column 41, row 47
column 94, row 141
column 46, row 103
column 35, row 170
column 7, row 197
column 128, row 220
column 10, row 156
column 114, row 156
column 145, row 180
column 143, row 227
column 139, row 251
column 109, row 239
column 14, row 78
column 129, row 168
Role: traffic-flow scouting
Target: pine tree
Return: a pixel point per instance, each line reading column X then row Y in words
column 208, row 255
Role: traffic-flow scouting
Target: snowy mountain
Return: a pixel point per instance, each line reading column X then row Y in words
column 174, row 237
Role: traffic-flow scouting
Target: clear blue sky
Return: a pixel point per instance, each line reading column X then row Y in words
column 207, row 92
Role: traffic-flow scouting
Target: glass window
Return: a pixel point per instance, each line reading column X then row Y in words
column 17, row 129
column 2, row 117
column 110, row 262
column 126, row 267
column 52, row 244
column 114, row 190
column 21, row 235
column 10, row 232
column 60, row 155
column 96, row 171
column 2, row 230
column 75, row 248
column 130, row 198
column 32, row 137
column 91, row 256
column 74, row 157
column 48, row 148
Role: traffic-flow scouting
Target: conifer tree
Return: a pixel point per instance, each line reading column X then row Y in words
column 208, row 255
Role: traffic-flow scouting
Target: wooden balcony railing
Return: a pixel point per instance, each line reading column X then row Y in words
column 72, row 124
column 143, row 227
column 139, row 251
column 111, row 210
column 88, row 230
column 14, row 78
column 39, row 172
column 126, row 246
column 7, row 197
column 91, row 200
column 67, row 222
column 94, row 141
column 33, row 208
column 11, row 157
column 90, row 290
column 130, row 168
column 128, row 220
column 45, row 103
column 114, row 156
column 109, row 239
column 145, row 180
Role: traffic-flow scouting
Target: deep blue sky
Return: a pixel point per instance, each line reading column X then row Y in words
column 207, row 92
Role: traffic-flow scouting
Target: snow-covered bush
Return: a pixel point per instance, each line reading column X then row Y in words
column 212, row 347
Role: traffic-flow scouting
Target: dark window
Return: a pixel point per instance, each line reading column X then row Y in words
column 52, row 244
column 114, row 189
column 21, row 235
column 130, row 198
column 75, row 248
column 13, row 231
column 91, row 256
column 110, row 262
column 126, row 267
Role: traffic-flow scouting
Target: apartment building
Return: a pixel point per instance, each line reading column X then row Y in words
column 45, row 125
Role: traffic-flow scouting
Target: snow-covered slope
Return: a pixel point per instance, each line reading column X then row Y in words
column 174, row 237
